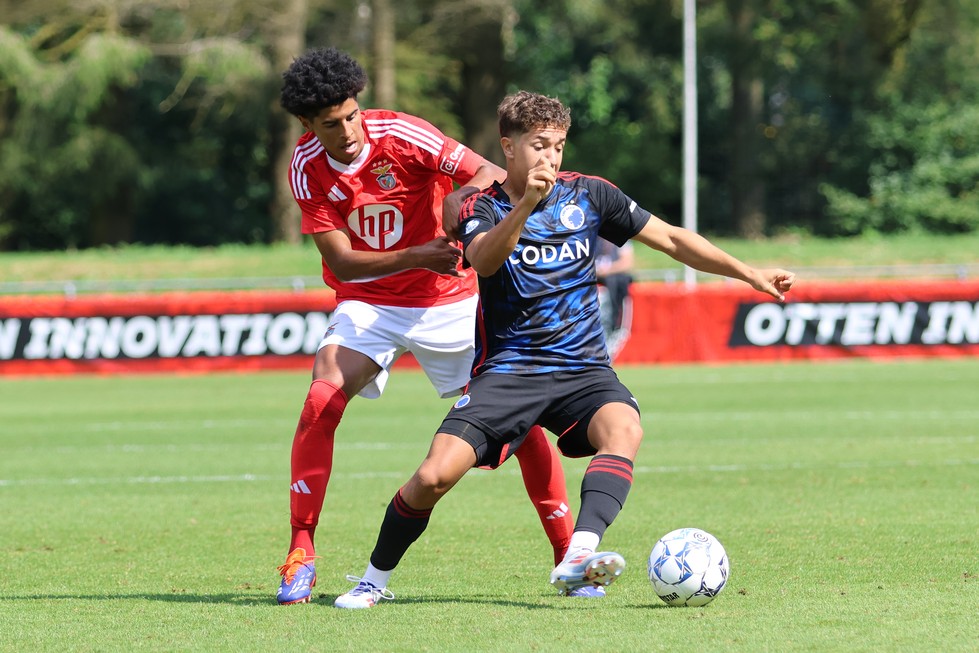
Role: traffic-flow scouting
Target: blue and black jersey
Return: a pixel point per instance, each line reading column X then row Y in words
column 539, row 312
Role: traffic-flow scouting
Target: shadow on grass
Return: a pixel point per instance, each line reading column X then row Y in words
column 543, row 602
column 175, row 597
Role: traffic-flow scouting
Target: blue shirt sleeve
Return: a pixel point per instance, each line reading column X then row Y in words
column 622, row 218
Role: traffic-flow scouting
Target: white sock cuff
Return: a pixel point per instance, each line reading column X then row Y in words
column 376, row 577
column 584, row 540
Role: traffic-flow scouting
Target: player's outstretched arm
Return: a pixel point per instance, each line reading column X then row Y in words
column 438, row 255
column 696, row 251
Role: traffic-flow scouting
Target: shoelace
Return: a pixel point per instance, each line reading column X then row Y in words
column 364, row 587
column 293, row 562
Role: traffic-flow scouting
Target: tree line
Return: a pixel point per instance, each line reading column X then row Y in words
column 157, row 121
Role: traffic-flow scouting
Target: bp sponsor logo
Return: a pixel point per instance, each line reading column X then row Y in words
column 380, row 226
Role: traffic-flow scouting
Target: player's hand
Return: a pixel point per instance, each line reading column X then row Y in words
column 775, row 282
column 451, row 207
column 540, row 181
column 440, row 256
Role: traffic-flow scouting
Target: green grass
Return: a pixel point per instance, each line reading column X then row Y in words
column 137, row 263
column 872, row 250
column 148, row 513
column 159, row 262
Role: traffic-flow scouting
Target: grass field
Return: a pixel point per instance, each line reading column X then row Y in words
column 148, row 513
column 136, row 263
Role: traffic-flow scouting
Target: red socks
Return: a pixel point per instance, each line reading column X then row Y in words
column 543, row 476
column 312, row 462
column 312, row 459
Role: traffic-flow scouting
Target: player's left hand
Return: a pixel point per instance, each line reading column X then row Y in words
column 438, row 255
column 775, row 282
column 451, row 207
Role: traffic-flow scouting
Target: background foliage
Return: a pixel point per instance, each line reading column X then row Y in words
column 157, row 122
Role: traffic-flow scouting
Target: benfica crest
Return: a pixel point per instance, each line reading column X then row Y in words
column 385, row 178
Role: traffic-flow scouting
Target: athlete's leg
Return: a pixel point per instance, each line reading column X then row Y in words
column 351, row 360
column 616, row 433
column 338, row 374
column 442, row 344
column 543, row 476
column 407, row 516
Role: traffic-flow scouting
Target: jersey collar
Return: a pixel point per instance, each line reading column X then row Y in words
column 353, row 166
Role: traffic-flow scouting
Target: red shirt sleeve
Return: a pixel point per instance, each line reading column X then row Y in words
column 429, row 147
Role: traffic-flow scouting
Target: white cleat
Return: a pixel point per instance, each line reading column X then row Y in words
column 364, row 595
column 586, row 568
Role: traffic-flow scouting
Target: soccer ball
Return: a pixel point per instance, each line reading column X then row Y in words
column 688, row 567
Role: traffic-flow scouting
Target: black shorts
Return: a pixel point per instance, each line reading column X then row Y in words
column 497, row 410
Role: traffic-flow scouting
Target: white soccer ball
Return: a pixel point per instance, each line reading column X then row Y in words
column 688, row 567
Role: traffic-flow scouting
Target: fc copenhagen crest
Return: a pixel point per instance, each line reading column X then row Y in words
column 385, row 178
column 572, row 217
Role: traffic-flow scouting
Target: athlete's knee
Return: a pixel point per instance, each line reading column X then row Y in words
column 324, row 397
column 348, row 370
column 629, row 436
column 423, row 490
column 621, row 438
column 432, row 481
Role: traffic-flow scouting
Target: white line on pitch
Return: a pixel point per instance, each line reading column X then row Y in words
column 421, row 444
column 645, row 469
column 287, row 425
column 199, row 447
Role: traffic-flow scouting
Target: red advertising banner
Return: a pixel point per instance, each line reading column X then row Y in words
column 176, row 331
column 669, row 323
column 732, row 322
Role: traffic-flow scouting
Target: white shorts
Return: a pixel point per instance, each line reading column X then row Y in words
column 439, row 337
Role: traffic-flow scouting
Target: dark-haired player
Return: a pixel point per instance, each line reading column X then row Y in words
column 371, row 185
column 540, row 351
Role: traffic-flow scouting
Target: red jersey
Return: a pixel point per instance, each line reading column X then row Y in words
column 388, row 198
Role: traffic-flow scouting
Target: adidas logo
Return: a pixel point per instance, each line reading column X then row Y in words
column 300, row 487
column 557, row 514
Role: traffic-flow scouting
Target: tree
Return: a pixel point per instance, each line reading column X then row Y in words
column 451, row 66
column 160, row 83
column 383, row 48
column 66, row 177
column 800, row 77
column 923, row 173
column 618, row 66
column 158, row 120
column 476, row 31
column 287, row 40
column 747, row 188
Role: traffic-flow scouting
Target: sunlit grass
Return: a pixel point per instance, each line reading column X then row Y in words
column 239, row 261
column 148, row 513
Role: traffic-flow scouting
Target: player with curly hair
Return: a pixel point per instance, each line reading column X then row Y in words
column 373, row 186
